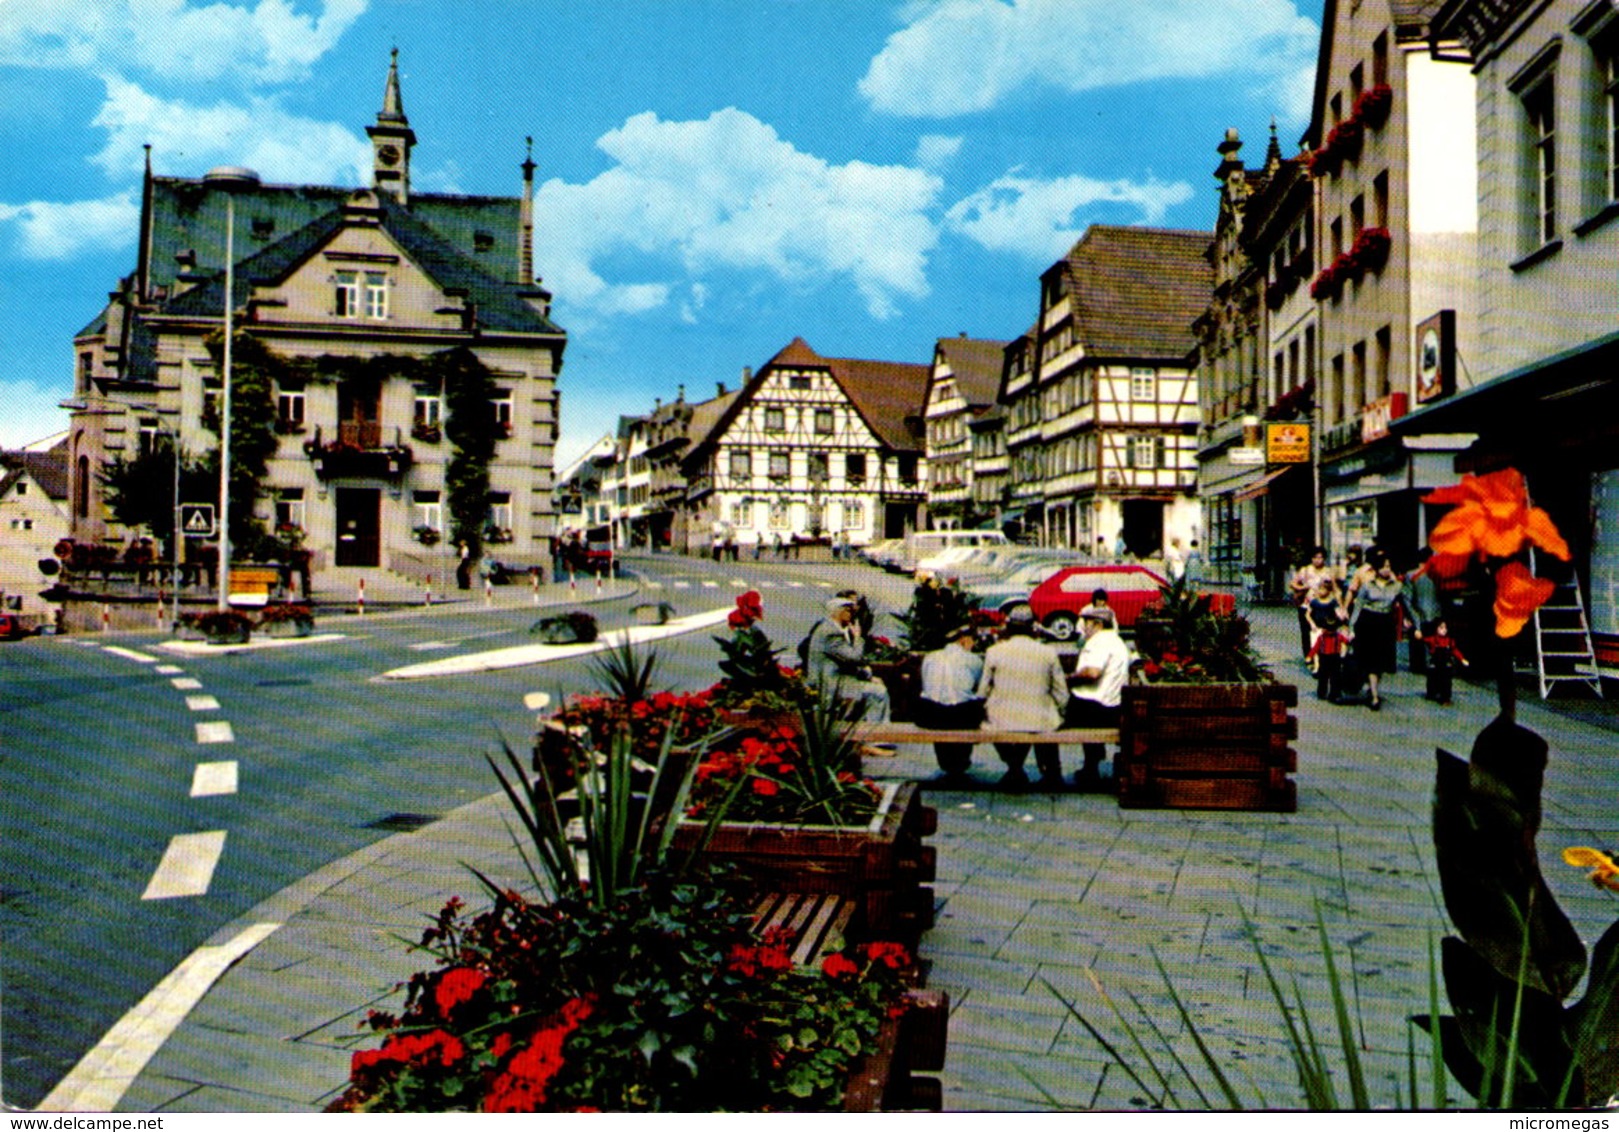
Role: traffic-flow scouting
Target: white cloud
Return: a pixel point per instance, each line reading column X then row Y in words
column 267, row 41
column 54, row 231
column 960, row 56
column 261, row 135
column 726, row 193
column 935, row 150
column 1040, row 218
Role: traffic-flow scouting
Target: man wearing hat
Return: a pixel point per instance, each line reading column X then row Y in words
column 836, row 658
column 1024, row 689
column 1099, row 676
column 950, row 702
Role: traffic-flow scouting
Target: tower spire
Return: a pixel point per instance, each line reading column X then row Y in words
column 525, row 220
column 391, row 139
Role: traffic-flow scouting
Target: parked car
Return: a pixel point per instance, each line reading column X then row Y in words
column 1017, row 584
column 12, row 627
column 1131, row 589
column 922, row 546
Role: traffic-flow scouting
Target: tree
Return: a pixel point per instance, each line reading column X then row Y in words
column 140, row 490
column 470, row 427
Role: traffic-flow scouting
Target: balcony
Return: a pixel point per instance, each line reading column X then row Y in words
column 359, row 453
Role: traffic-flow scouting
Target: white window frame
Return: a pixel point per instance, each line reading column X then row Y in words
column 289, row 508
column 501, row 406
column 376, row 295
column 346, row 300
column 824, row 416
column 775, row 419
column 1144, row 452
column 781, row 465
column 1143, row 385
column 289, row 409
column 428, row 410
column 1606, row 50
column 741, row 464
column 500, row 510
column 427, row 510
column 781, row 515
column 1539, row 101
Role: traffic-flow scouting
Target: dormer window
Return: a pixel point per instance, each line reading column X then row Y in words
column 361, row 293
column 483, row 242
column 263, row 227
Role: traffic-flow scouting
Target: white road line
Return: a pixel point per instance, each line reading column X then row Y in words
column 204, row 648
column 796, row 585
column 168, row 670
column 102, row 1076
column 186, row 683
column 202, row 703
column 210, row 779
column 130, row 654
column 824, row 585
column 215, row 731
column 767, row 585
column 187, row 866
column 682, row 585
column 739, row 583
column 654, row 585
column 711, row 585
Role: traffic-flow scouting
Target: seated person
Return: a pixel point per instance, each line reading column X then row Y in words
column 1025, row 689
column 1100, row 673
column 1100, row 604
column 837, row 660
column 949, row 700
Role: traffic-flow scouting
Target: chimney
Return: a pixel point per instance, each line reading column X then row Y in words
column 721, row 385
column 525, row 234
column 682, row 395
column 747, row 374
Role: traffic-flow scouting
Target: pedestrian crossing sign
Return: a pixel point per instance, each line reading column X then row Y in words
column 197, row 519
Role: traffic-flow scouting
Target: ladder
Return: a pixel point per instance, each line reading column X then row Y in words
column 1562, row 640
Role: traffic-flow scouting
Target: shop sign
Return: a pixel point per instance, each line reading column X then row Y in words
column 1287, row 443
column 1375, row 417
column 1247, row 455
column 1436, row 357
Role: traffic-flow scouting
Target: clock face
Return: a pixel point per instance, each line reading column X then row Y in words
column 388, row 155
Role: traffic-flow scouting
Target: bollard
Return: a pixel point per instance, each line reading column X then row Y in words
column 598, row 585
column 360, row 608
column 159, row 621
column 534, row 579
column 489, row 591
column 573, row 584
column 429, row 600
column 106, row 617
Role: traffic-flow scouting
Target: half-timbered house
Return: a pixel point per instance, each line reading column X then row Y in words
column 1104, row 417
column 961, row 387
column 813, row 447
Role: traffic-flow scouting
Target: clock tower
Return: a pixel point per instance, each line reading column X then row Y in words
column 391, row 140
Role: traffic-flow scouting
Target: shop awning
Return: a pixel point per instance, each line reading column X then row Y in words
column 1263, row 484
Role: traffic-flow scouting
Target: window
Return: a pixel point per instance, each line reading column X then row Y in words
column 819, row 467
column 1146, row 452
column 81, row 379
column 775, row 420
column 22, row 487
column 741, row 464
column 22, row 524
column 147, row 442
column 1382, row 347
column 798, row 381
column 854, row 467
column 289, row 411
column 81, row 488
column 1541, row 115
column 1380, row 59
column 823, row 422
column 1380, row 199
column 1337, row 237
column 429, row 411
column 1355, row 396
column 780, row 466
column 907, row 469
column 1357, row 215
column 1605, row 65
column 500, row 510
column 854, row 514
column 1143, row 385
column 376, row 295
column 780, row 515
column 426, row 511
column 348, row 294
column 289, row 509
column 501, row 406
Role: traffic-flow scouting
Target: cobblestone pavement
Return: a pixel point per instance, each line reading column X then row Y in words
column 1039, row 898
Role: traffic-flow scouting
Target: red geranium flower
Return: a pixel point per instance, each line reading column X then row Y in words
column 837, row 966
column 457, row 985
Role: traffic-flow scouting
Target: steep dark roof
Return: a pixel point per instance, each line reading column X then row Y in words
column 706, row 417
column 49, row 469
column 976, row 364
column 888, row 395
column 499, row 305
column 1136, row 291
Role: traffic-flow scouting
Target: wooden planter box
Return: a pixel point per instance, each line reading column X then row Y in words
column 882, row 864
column 886, row 1081
column 1208, row 746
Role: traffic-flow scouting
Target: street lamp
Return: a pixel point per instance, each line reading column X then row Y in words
column 230, row 179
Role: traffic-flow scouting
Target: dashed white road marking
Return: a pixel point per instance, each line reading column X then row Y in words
column 202, row 703
column 654, row 585
column 739, row 583
column 168, row 670
column 186, row 683
column 711, row 585
column 682, row 585
column 796, row 585
column 187, row 867
column 215, row 731
column 130, row 654
column 824, row 585
column 210, row 779
column 100, row 1079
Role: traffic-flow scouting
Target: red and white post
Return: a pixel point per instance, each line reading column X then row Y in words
column 360, row 604
column 106, row 617
column 488, row 590
column 534, row 585
column 428, row 599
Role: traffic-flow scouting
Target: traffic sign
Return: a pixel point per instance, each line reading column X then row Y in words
column 197, row 520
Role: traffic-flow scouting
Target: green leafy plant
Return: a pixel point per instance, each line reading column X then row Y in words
column 574, row 627
column 1184, row 640
column 218, row 622
column 283, row 612
column 936, row 608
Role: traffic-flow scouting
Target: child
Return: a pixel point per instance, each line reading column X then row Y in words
column 1328, row 651
column 1443, row 656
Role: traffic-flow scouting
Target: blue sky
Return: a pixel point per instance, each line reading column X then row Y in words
column 715, row 176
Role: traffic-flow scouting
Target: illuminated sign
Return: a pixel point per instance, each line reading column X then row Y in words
column 1287, row 443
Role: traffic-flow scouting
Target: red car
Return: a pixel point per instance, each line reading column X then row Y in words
column 1130, row 589
column 12, row 627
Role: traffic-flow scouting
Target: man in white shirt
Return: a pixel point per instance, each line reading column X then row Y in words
column 1099, row 679
column 950, row 701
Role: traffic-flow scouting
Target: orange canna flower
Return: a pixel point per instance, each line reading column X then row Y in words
column 1518, row 593
column 1492, row 517
column 1604, row 873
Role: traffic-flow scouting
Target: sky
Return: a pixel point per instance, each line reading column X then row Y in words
column 715, row 177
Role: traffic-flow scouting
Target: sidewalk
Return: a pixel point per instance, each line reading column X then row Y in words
column 1030, row 890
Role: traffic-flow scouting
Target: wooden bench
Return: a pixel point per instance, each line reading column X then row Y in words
column 910, row 733
column 816, row 923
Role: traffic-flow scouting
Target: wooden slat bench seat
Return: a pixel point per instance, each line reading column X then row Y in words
column 910, row 733
column 817, row 923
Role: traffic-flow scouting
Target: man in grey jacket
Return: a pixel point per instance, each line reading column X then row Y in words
column 1024, row 689
column 837, row 660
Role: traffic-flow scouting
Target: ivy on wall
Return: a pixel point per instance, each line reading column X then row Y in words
column 470, row 426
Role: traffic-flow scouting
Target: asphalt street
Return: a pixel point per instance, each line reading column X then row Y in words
column 119, row 857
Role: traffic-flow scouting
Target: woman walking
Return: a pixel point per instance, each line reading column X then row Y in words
column 1305, row 582
column 1372, row 617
